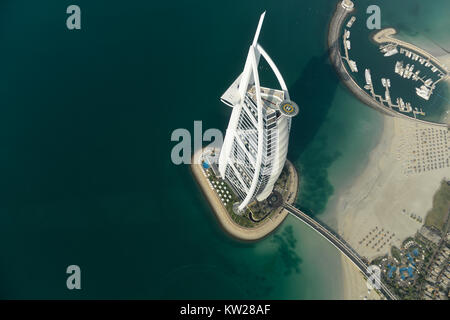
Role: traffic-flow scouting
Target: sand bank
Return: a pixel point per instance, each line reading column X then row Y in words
column 389, row 191
column 355, row 287
column 385, row 203
column 383, row 198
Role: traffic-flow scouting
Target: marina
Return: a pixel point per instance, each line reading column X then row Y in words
column 389, row 50
column 438, row 70
column 428, row 85
column 347, row 46
column 420, row 67
column 408, row 71
column 401, row 105
column 410, row 50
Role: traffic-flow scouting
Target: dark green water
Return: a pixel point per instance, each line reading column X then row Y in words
column 85, row 124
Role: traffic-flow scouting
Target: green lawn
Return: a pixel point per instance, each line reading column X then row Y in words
column 396, row 253
column 242, row 220
column 437, row 216
column 258, row 212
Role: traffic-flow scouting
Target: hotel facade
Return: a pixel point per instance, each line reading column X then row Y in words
column 256, row 142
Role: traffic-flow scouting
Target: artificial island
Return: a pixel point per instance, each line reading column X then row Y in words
column 249, row 179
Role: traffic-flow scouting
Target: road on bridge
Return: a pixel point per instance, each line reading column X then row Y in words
column 340, row 244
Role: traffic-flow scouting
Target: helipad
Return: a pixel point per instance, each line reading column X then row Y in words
column 289, row 108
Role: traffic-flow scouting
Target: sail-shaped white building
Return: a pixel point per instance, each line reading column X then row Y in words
column 256, row 141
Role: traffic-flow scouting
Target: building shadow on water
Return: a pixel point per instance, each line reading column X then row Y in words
column 287, row 256
column 314, row 91
column 259, row 281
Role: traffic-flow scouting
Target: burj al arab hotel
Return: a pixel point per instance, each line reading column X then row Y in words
column 256, row 141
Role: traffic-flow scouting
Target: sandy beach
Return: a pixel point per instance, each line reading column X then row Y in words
column 375, row 212
column 355, row 285
column 389, row 200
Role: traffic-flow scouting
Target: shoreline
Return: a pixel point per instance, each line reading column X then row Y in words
column 379, row 190
column 225, row 221
column 355, row 287
column 370, row 199
column 352, row 279
column 376, row 199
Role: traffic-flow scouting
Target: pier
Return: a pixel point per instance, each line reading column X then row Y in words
column 386, row 83
column 415, row 53
column 385, row 36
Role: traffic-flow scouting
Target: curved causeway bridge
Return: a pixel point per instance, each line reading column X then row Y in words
column 340, row 244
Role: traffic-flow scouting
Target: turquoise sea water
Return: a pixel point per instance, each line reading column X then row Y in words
column 85, row 124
